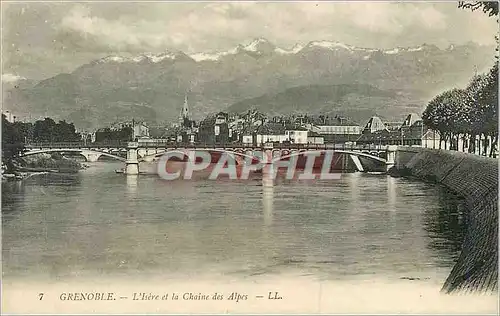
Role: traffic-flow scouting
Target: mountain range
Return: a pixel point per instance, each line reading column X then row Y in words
column 319, row 77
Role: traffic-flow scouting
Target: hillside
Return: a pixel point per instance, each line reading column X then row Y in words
column 357, row 101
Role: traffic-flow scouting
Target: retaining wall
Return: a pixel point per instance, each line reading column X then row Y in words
column 474, row 178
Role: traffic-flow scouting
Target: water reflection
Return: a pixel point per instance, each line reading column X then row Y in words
column 12, row 192
column 391, row 193
column 445, row 225
column 267, row 200
column 338, row 228
column 132, row 182
column 354, row 188
column 391, row 198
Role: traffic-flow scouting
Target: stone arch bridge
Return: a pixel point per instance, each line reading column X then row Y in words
column 382, row 155
column 132, row 153
column 91, row 154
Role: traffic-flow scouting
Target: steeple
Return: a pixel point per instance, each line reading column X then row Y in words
column 184, row 111
column 185, row 108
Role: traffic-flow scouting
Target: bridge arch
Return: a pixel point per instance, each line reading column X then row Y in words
column 284, row 154
column 90, row 155
column 353, row 154
column 348, row 152
column 235, row 154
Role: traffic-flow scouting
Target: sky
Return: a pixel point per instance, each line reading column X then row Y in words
column 40, row 40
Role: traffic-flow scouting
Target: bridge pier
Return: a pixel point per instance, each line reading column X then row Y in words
column 132, row 163
column 391, row 157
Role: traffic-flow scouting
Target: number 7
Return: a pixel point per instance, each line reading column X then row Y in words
column 41, row 296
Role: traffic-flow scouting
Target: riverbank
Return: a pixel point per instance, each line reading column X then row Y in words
column 26, row 167
column 475, row 179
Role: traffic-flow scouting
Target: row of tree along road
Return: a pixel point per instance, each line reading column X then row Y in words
column 469, row 114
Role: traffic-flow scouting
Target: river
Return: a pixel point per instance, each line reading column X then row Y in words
column 98, row 225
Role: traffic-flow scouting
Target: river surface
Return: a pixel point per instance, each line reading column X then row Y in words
column 100, row 224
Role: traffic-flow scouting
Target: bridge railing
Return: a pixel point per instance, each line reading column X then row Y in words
column 169, row 144
column 114, row 144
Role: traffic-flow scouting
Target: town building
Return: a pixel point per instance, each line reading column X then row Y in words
column 333, row 129
column 271, row 132
column 325, row 125
column 392, row 126
column 315, row 138
column 236, row 128
column 140, row 130
column 296, row 135
column 412, row 132
column 276, row 132
column 373, row 125
column 214, row 129
column 9, row 116
column 410, row 120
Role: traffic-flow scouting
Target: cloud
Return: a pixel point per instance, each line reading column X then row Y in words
column 212, row 26
column 50, row 38
column 11, row 78
column 396, row 18
column 114, row 35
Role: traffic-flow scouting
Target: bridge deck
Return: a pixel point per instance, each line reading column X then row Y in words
column 82, row 145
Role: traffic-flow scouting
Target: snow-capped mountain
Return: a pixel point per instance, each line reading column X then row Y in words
column 297, row 48
column 152, row 86
column 258, row 47
column 146, row 57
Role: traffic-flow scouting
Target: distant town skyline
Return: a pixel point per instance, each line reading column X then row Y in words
column 41, row 40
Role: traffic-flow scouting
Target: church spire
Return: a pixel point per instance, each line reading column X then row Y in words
column 184, row 111
column 185, row 107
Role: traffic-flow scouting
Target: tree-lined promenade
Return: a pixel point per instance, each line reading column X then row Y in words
column 469, row 114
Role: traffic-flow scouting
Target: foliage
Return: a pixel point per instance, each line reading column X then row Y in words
column 482, row 101
column 16, row 134
column 487, row 103
column 489, row 7
column 50, row 131
column 446, row 112
column 473, row 91
column 107, row 134
column 12, row 141
column 54, row 161
column 470, row 112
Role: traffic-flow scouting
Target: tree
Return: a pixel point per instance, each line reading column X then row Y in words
column 44, row 130
column 447, row 114
column 50, row 131
column 65, row 132
column 108, row 135
column 475, row 120
column 487, row 108
column 489, row 7
column 12, row 143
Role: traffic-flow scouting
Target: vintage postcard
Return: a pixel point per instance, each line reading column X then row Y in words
column 249, row 157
